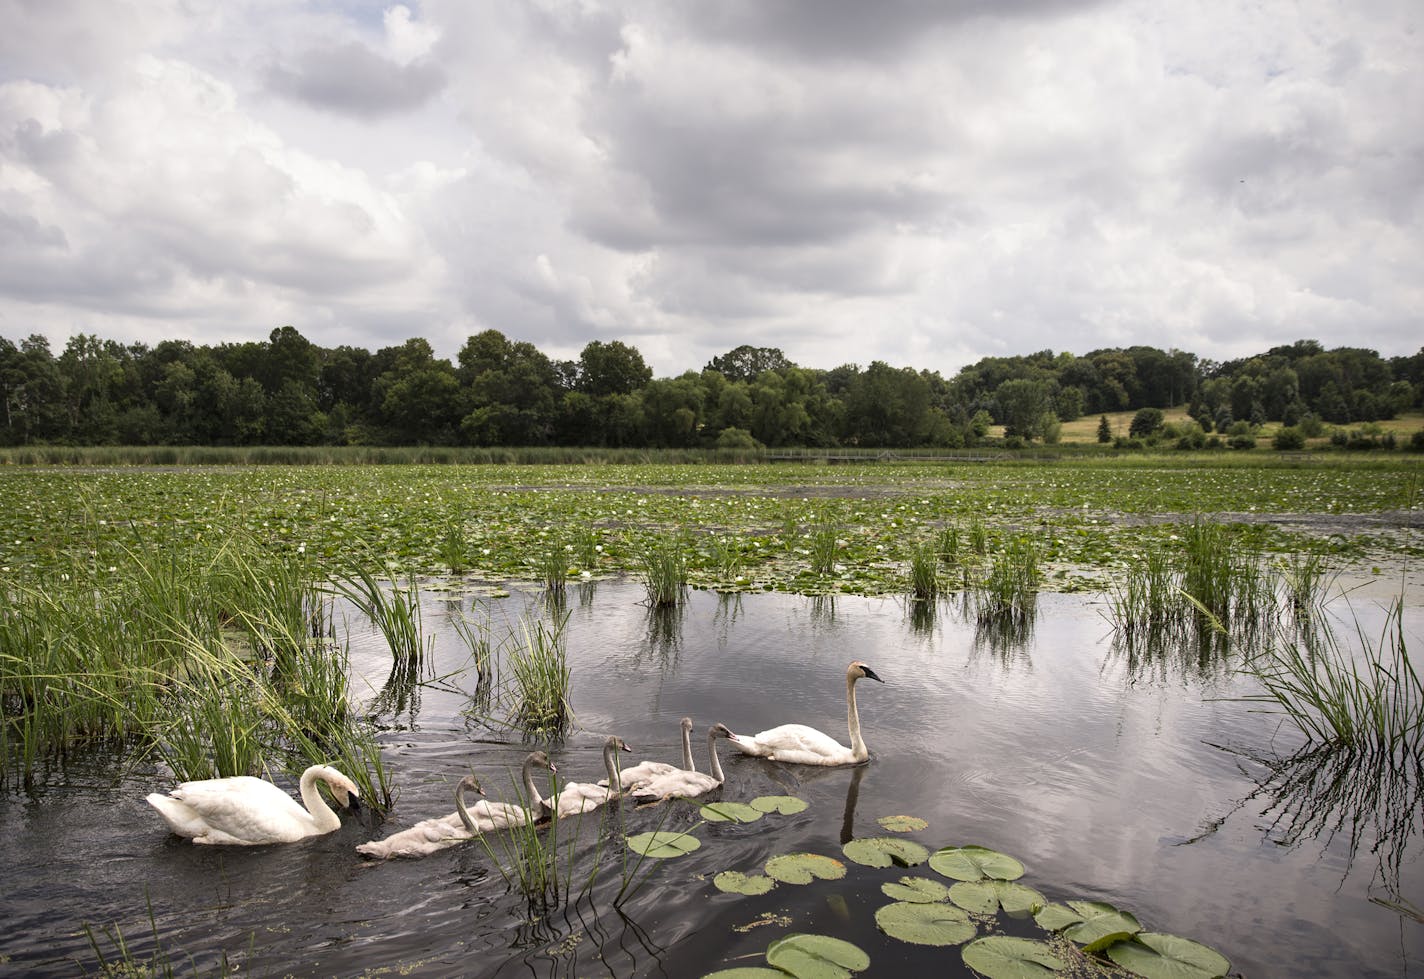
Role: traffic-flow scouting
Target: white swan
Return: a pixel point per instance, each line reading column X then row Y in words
column 246, row 811
column 798, row 744
column 431, row 835
column 687, row 783
column 633, row 776
column 578, row 797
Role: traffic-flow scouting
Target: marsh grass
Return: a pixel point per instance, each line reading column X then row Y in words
column 116, row 960
column 1008, row 592
column 924, row 571
column 978, row 536
column 394, row 609
column 824, row 545
column 1370, row 701
column 539, row 668
column 948, row 544
column 453, row 548
column 1306, row 582
column 725, row 558
column 588, row 546
column 663, row 563
column 553, row 564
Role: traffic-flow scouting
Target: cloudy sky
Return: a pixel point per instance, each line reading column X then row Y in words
column 924, row 182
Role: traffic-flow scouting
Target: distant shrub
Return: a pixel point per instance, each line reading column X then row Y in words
column 1311, row 426
column 1288, row 439
column 1416, row 441
column 736, row 438
column 1128, row 443
column 1145, row 423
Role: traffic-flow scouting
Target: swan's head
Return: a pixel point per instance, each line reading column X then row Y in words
column 343, row 790
column 615, row 743
column 859, row 671
column 540, row 760
column 686, row 723
column 469, row 784
column 719, row 731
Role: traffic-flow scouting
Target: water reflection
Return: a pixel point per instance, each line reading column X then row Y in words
column 1158, row 655
column 823, row 611
column 923, row 614
column 852, row 798
column 1358, row 799
column 664, row 634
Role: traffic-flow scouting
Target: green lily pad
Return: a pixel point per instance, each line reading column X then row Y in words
column 1003, row 957
column 802, row 868
column 1102, row 925
column 736, row 882
column 662, row 846
column 925, row 924
column 786, row 805
column 730, row 812
column 816, row 957
column 1056, row 917
column 747, row 972
column 975, row 863
column 917, row 890
column 1157, row 956
column 988, row 896
column 902, row 824
column 882, row 851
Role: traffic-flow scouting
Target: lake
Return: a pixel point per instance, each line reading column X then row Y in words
column 1112, row 777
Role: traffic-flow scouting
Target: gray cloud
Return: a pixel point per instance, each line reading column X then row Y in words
column 352, row 79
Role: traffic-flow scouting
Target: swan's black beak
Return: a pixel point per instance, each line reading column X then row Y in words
column 354, row 803
column 870, row 674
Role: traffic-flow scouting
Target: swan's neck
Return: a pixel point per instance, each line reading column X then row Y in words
column 532, row 798
column 463, row 811
column 687, row 750
column 610, row 762
column 322, row 817
column 712, row 758
column 857, row 743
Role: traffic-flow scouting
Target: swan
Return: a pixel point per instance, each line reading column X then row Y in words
column 578, row 797
column 687, row 783
column 636, row 775
column 245, row 811
column 430, row 835
column 798, row 744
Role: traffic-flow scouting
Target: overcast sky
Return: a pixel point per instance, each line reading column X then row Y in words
column 923, row 182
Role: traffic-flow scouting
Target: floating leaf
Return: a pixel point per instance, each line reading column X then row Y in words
column 902, row 824
column 1056, row 917
column 786, row 805
column 882, row 851
column 925, row 924
column 816, row 957
column 747, row 972
column 919, row 890
column 661, row 846
column 1102, row 925
column 975, row 863
column 802, row 868
column 1157, row 956
column 987, row 896
column 736, row 882
column 1003, row 957
column 730, row 812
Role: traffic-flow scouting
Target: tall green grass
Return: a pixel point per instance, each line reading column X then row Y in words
column 539, row 668
column 663, row 563
column 1009, row 590
column 393, row 608
column 924, row 571
column 825, row 545
column 1369, row 700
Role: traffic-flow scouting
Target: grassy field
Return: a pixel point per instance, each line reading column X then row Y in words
column 1084, row 431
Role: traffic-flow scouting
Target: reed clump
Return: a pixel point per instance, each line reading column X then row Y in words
column 539, row 668
column 924, row 571
column 825, row 546
column 663, row 563
column 1009, row 591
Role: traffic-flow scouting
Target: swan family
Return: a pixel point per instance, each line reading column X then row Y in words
column 247, row 811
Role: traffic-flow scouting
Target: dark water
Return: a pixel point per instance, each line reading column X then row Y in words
column 1102, row 774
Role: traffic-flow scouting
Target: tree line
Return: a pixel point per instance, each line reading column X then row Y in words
column 500, row 392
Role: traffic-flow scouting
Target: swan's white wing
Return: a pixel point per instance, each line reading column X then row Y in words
column 580, row 797
column 799, row 744
column 422, row 839
column 678, row 784
column 635, row 775
column 244, row 809
column 489, row 816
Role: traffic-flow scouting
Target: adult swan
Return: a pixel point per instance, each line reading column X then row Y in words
column 798, row 744
column 246, row 811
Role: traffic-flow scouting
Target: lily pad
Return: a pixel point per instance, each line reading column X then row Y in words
column 1056, row 917
column 786, row 805
column 883, row 851
column 1003, row 957
column 747, row 972
column 662, row 846
column 736, row 882
column 975, row 863
column 902, row 824
column 1102, row 925
column 1157, row 956
column 925, row 924
column 917, row 890
column 988, row 896
column 730, row 812
column 816, row 957
column 802, row 868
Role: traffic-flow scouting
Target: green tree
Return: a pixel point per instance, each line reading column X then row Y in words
column 1022, row 405
column 746, row 363
column 1104, row 430
column 1146, row 423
